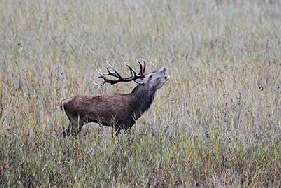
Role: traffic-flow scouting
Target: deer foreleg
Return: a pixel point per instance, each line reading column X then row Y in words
column 117, row 130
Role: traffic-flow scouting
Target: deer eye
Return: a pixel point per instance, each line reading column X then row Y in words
column 150, row 76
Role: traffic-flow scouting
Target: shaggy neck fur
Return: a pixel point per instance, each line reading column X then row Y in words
column 142, row 99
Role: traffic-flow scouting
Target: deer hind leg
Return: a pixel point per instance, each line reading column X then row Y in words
column 74, row 127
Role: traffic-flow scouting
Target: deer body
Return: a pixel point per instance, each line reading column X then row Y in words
column 117, row 110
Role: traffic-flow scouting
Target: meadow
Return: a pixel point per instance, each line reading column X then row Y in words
column 216, row 123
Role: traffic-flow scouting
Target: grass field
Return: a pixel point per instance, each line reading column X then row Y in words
column 216, row 123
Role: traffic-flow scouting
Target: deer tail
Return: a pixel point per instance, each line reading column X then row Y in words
column 61, row 104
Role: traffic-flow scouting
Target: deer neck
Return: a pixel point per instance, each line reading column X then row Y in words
column 142, row 98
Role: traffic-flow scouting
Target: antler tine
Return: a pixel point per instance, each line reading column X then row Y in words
column 99, row 72
column 109, row 65
column 101, row 75
column 133, row 73
column 114, row 73
column 142, row 67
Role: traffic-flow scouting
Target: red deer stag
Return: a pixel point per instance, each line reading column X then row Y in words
column 119, row 111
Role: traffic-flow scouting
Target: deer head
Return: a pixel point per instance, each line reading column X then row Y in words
column 117, row 110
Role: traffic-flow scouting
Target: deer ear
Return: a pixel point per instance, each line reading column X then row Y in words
column 140, row 81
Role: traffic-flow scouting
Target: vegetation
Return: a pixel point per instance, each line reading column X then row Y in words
column 217, row 122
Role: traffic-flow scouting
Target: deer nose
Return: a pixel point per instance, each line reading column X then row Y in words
column 167, row 77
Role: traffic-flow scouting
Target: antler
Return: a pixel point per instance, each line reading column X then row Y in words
column 142, row 67
column 115, row 74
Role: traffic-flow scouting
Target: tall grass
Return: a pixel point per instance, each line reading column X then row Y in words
column 217, row 122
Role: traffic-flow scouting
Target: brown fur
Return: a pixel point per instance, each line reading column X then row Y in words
column 117, row 110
